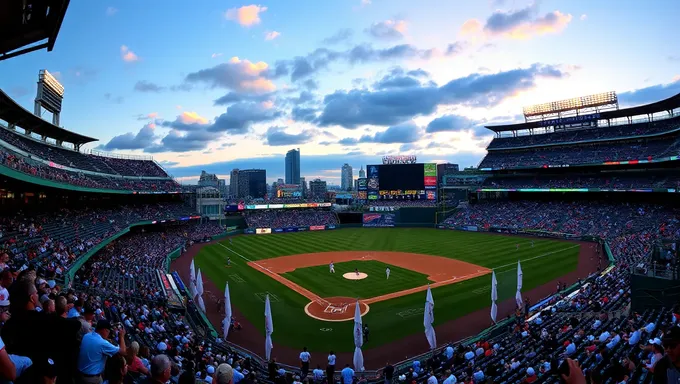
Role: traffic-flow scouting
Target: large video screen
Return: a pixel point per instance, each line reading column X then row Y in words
column 401, row 176
column 402, row 181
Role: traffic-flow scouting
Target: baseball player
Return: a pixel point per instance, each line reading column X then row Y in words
column 517, row 247
column 356, row 270
column 332, row 267
column 228, row 262
column 387, row 272
column 532, row 243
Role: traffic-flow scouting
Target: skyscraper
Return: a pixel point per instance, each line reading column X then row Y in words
column 362, row 173
column 303, row 185
column 252, row 183
column 293, row 166
column 233, row 183
column 346, row 178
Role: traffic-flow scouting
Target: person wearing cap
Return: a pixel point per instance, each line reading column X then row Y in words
column 531, row 375
column 667, row 370
column 224, row 374
column 95, row 349
column 209, row 373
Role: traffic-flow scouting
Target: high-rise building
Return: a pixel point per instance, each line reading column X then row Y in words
column 207, row 179
column 252, row 183
column 233, row 183
column 293, row 166
column 346, row 177
column 303, row 186
column 280, row 181
column 317, row 189
column 362, row 173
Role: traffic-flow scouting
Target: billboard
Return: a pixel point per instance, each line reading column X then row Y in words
column 379, row 220
column 263, row 231
column 363, row 183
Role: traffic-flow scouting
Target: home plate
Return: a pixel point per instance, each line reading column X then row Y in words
column 355, row 276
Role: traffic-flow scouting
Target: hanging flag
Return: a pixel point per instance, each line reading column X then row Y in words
column 192, row 280
column 268, row 328
column 494, row 296
column 358, row 339
column 518, row 295
column 429, row 319
column 199, row 290
column 227, row 311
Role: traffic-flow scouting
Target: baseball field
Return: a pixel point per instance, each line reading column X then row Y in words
column 313, row 307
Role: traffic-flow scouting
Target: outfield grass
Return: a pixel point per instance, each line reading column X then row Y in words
column 320, row 281
column 392, row 319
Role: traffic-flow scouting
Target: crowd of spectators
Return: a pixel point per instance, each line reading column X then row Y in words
column 55, row 240
column 283, row 218
column 585, row 135
column 129, row 266
column 70, row 158
column 629, row 228
column 52, row 333
column 603, row 181
column 35, row 168
column 583, row 154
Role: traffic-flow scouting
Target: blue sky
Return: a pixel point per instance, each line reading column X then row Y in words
column 229, row 84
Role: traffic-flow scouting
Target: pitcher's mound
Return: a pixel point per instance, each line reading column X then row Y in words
column 355, row 276
column 335, row 309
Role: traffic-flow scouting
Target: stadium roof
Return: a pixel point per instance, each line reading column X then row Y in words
column 19, row 29
column 659, row 106
column 14, row 113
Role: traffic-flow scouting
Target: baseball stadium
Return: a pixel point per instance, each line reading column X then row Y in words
column 556, row 254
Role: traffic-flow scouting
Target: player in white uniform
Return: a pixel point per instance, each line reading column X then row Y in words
column 332, row 267
column 387, row 272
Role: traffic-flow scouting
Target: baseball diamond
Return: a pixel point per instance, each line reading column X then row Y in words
column 456, row 265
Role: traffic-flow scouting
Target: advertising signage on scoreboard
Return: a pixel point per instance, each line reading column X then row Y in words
column 362, row 183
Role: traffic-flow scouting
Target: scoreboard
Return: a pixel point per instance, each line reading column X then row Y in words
column 400, row 182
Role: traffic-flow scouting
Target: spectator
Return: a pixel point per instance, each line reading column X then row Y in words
column 347, row 375
column 161, row 369
column 95, row 349
column 116, row 369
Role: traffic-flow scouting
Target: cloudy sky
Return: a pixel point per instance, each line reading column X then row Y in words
column 229, row 84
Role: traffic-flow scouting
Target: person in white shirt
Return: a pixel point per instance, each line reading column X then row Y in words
column 305, row 357
column 330, row 370
column 387, row 272
column 332, row 267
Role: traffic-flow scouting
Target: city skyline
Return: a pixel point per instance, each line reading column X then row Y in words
column 344, row 81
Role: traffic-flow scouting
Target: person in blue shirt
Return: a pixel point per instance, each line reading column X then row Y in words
column 347, row 375
column 95, row 349
column 75, row 311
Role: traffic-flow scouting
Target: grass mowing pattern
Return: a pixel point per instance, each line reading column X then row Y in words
column 392, row 319
column 320, row 281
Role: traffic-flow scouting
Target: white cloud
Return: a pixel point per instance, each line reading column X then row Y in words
column 247, row 15
column 127, row 54
column 271, row 35
column 110, row 11
column 215, row 55
column 583, row 17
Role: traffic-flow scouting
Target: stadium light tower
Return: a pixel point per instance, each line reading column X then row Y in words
column 50, row 95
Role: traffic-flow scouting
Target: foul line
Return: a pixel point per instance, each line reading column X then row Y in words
column 295, row 287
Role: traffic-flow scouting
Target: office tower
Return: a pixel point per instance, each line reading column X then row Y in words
column 252, row 183
column 346, row 177
column 233, row 183
column 293, row 166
